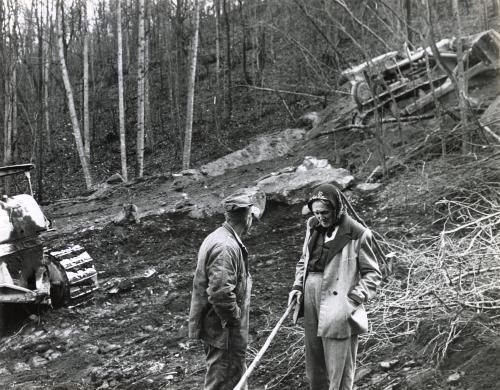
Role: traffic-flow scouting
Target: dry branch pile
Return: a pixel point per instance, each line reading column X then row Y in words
column 444, row 286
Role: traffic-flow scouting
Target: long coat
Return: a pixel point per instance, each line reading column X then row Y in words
column 350, row 278
column 221, row 291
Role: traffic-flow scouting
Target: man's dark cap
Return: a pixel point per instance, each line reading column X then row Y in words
column 242, row 199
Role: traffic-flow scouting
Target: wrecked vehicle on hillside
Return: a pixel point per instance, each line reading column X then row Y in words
column 29, row 272
column 407, row 84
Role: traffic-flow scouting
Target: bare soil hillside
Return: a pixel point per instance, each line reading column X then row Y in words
column 134, row 334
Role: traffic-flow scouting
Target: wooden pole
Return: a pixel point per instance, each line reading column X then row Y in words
column 241, row 383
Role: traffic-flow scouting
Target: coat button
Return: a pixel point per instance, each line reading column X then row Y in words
column 334, row 292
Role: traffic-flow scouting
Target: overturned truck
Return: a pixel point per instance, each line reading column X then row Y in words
column 30, row 272
column 408, row 83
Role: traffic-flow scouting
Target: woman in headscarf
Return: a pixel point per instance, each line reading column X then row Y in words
column 336, row 274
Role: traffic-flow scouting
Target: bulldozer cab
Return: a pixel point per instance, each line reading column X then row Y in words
column 16, row 179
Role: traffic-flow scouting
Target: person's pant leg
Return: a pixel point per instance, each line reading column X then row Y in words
column 316, row 370
column 225, row 367
column 340, row 356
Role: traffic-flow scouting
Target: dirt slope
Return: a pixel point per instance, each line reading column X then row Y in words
column 134, row 336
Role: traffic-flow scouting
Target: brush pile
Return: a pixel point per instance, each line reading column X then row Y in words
column 444, row 283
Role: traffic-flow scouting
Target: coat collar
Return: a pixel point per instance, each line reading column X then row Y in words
column 345, row 233
column 230, row 229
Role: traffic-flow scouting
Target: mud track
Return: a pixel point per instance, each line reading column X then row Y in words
column 134, row 336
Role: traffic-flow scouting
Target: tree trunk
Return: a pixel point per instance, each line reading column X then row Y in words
column 127, row 39
column 245, row 39
column 140, row 92
column 41, row 107
column 218, row 93
column 186, row 156
column 408, row 22
column 462, row 87
column 86, row 116
column 7, row 135
column 45, row 76
column 71, row 104
column 14, row 142
column 229, row 99
column 147, row 107
column 121, row 101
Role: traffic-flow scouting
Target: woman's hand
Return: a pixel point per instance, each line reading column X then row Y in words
column 295, row 295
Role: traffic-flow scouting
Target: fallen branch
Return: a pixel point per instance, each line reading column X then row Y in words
column 475, row 222
column 322, row 97
column 365, row 127
column 474, row 272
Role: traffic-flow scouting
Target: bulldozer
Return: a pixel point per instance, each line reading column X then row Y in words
column 31, row 273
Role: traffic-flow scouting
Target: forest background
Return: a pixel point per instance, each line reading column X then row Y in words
column 149, row 88
column 141, row 94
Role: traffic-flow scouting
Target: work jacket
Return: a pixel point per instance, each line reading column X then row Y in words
column 221, row 291
column 350, row 278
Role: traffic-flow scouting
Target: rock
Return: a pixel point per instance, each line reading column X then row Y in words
column 21, row 366
column 368, row 187
column 309, row 120
column 4, row 372
column 41, row 348
column 387, row 365
column 53, row 355
column 453, row 378
column 185, row 178
column 294, row 187
column 156, row 367
column 262, row 148
column 38, row 361
column 311, row 162
column 115, row 179
column 107, row 347
column 196, row 213
column 128, row 214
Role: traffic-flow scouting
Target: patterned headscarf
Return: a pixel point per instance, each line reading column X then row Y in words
column 331, row 194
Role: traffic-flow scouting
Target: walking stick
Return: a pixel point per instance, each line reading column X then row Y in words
column 241, row 383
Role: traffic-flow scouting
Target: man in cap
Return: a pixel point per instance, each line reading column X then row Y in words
column 335, row 275
column 221, row 294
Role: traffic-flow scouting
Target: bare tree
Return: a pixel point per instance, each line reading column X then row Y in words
column 140, row 91
column 86, row 116
column 45, row 76
column 70, row 100
column 186, row 156
column 121, row 102
column 229, row 98
column 462, row 86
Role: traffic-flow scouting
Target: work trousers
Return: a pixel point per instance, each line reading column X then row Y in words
column 330, row 363
column 225, row 367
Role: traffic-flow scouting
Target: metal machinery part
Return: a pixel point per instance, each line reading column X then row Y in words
column 410, row 81
column 30, row 273
column 72, row 276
